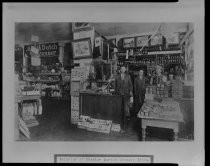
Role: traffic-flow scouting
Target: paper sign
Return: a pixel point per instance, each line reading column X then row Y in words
column 34, row 50
column 128, row 42
column 45, row 49
column 142, row 41
column 35, row 61
column 85, row 34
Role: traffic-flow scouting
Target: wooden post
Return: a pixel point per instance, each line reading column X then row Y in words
column 143, row 134
column 108, row 53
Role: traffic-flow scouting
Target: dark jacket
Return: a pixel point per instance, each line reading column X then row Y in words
column 139, row 92
column 139, row 86
column 123, row 87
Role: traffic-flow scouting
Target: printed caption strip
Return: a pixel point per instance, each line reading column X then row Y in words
column 68, row 158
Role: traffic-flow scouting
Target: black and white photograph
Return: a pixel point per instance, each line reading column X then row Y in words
column 79, row 83
column 134, row 92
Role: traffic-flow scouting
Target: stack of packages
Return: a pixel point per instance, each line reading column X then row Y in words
column 148, row 108
column 177, row 89
column 28, row 112
column 74, row 109
column 162, row 91
column 30, row 90
column 167, row 109
column 150, row 92
column 97, row 125
column 78, row 76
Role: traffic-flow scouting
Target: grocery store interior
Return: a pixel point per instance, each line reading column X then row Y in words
column 85, row 81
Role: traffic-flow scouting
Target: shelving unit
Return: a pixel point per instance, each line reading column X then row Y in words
column 26, row 123
column 50, row 74
column 162, row 58
column 30, row 97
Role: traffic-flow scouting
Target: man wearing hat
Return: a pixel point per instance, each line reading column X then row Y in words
column 123, row 86
column 139, row 90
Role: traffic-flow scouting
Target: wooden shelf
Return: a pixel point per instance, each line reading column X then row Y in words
column 164, row 52
column 162, row 119
column 51, row 89
column 153, row 53
column 101, row 81
column 52, row 56
column 51, row 74
column 66, row 81
column 44, row 81
column 30, row 97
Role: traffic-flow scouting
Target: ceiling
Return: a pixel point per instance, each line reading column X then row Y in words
column 63, row 30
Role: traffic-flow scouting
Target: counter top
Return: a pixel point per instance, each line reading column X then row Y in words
column 97, row 93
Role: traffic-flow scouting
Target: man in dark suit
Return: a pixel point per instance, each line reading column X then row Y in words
column 139, row 90
column 123, row 86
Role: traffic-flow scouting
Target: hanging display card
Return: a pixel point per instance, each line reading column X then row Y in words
column 142, row 41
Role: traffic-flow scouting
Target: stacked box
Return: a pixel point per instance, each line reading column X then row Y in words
column 75, row 88
column 74, row 116
column 75, row 103
column 162, row 91
column 82, row 124
column 84, row 118
column 149, row 96
column 74, row 109
column 177, row 89
column 78, row 75
column 31, row 122
column 151, row 90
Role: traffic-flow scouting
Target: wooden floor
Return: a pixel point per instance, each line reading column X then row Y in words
column 54, row 125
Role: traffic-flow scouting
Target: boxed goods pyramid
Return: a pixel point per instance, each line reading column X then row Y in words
column 166, row 109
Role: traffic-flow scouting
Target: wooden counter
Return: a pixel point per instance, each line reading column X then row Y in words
column 102, row 106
